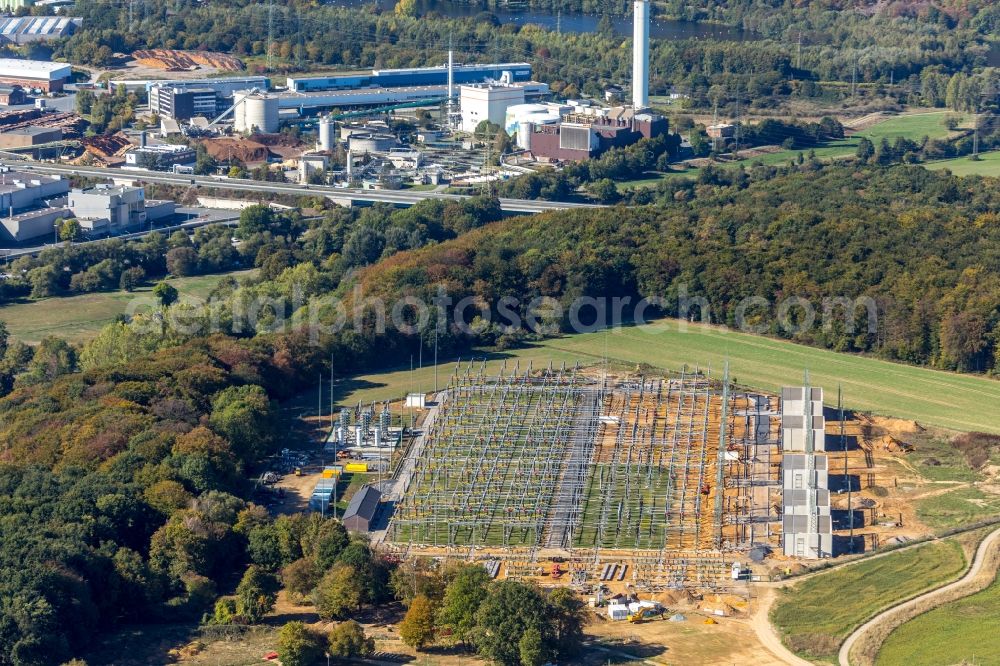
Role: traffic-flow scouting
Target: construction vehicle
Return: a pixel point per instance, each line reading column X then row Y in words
column 298, row 471
column 556, row 570
column 647, row 610
column 645, row 614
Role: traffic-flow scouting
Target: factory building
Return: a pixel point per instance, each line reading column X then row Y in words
column 25, row 200
column 520, row 117
column 223, row 88
column 111, row 208
column 185, row 103
column 807, row 528
column 25, row 137
column 22, row 227
column 27, row 29
column 161, row 157
column 12, row 96
column 588, row 132
column 415, row 77
column 21, row 191
column 366, row 97
column 32, row 204
column 487, row 101
column 34, row 74
column 581, row 130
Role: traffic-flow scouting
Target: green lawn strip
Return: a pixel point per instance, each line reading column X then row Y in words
column 816, row 615
column 988, row 164
column 949, row 400
column 954, row 633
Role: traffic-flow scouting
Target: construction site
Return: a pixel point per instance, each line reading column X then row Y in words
column 658, row 482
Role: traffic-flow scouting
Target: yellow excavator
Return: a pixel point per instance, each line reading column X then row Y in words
column 645, row 614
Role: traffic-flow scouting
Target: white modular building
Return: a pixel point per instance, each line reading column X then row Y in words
column 488, row 102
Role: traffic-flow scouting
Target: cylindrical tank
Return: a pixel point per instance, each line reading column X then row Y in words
column 325, row 133
column 372, row 143
column 257, row 112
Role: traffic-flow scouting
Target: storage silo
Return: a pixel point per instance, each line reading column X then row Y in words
column 325, row 133
column 372, row 143
column 257, row 112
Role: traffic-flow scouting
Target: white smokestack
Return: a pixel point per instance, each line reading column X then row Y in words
column 640, row 54
column 451, row 77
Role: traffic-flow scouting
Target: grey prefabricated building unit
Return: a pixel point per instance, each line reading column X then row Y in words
column 362, row 509
column 797, row 475
column 793, row 418
column 807, row 528
column 800, row 541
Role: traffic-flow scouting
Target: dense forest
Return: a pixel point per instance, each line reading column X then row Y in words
column 123, row 463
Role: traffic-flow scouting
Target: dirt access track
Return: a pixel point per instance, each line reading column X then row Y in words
column 869, row 637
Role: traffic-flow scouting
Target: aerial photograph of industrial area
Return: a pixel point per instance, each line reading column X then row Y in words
column 500, row 332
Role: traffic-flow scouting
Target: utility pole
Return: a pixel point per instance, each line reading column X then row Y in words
column 975, row 135
column 299, row 41
column 847, row 478
column 270, row 32
column 854, row 78
column 559, row 22
column 435, row 359
column 798, row 53
column 736, row 133
column 715, row 122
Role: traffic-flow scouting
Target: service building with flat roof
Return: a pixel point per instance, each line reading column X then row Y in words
column 32, row 74
column 109, row 208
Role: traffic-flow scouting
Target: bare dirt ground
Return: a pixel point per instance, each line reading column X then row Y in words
column 136, row 70
column 727, row 641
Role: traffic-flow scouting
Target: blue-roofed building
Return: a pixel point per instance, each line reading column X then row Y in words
column 417, row 76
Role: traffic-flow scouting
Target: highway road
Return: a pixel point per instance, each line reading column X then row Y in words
column 396, row 197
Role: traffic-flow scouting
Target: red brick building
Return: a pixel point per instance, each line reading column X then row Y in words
column 580, row 137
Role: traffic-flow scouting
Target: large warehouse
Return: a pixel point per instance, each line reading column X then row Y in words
column 409, row 78
column 34, row 74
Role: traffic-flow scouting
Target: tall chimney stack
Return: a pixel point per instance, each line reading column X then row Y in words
column 640, row 54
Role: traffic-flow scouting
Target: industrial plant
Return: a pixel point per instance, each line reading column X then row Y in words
column 355, row 142
column 669, row 480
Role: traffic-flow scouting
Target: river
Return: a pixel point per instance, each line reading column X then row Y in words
column 658, row 29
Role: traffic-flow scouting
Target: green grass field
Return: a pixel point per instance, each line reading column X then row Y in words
column 913, row 126
column 958, row 507
column 952, row 634
column 987, row 165
column 816, row 615
column 80, row 318
column 949, row 400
